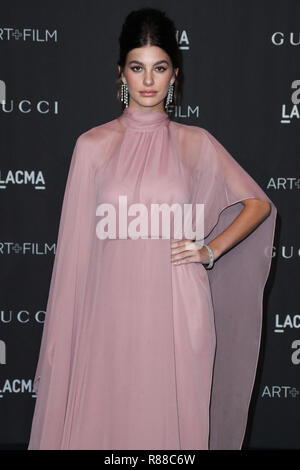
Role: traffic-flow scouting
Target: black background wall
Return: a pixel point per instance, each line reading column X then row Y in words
column 58, row 61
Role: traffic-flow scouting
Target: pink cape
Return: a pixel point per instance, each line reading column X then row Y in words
column 138, row 353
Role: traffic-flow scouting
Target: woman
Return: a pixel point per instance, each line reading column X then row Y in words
column 143, row 347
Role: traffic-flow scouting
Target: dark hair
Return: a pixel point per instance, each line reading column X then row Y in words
column 150, row 26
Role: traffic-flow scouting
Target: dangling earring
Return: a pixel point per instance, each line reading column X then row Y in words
column 169, row 95
column 124, row 94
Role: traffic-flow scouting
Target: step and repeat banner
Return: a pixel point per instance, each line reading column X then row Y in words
column 58, row 72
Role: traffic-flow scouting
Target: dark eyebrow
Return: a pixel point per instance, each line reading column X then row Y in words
column 141, row 63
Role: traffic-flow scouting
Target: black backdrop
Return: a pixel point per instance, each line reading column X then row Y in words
column 58, row 61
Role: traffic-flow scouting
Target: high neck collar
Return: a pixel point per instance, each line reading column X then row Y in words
column 143, row 120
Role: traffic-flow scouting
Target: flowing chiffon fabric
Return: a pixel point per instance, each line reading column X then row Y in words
column 136, row 352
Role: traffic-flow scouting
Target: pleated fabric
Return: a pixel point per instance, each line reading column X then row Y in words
column 136, row 352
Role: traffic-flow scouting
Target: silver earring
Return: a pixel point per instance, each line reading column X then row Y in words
column 169, row 95
column 124, row 94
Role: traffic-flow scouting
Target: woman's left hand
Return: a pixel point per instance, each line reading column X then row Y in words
column 187, row 251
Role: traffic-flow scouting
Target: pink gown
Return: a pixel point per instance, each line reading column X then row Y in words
column 138, row 353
